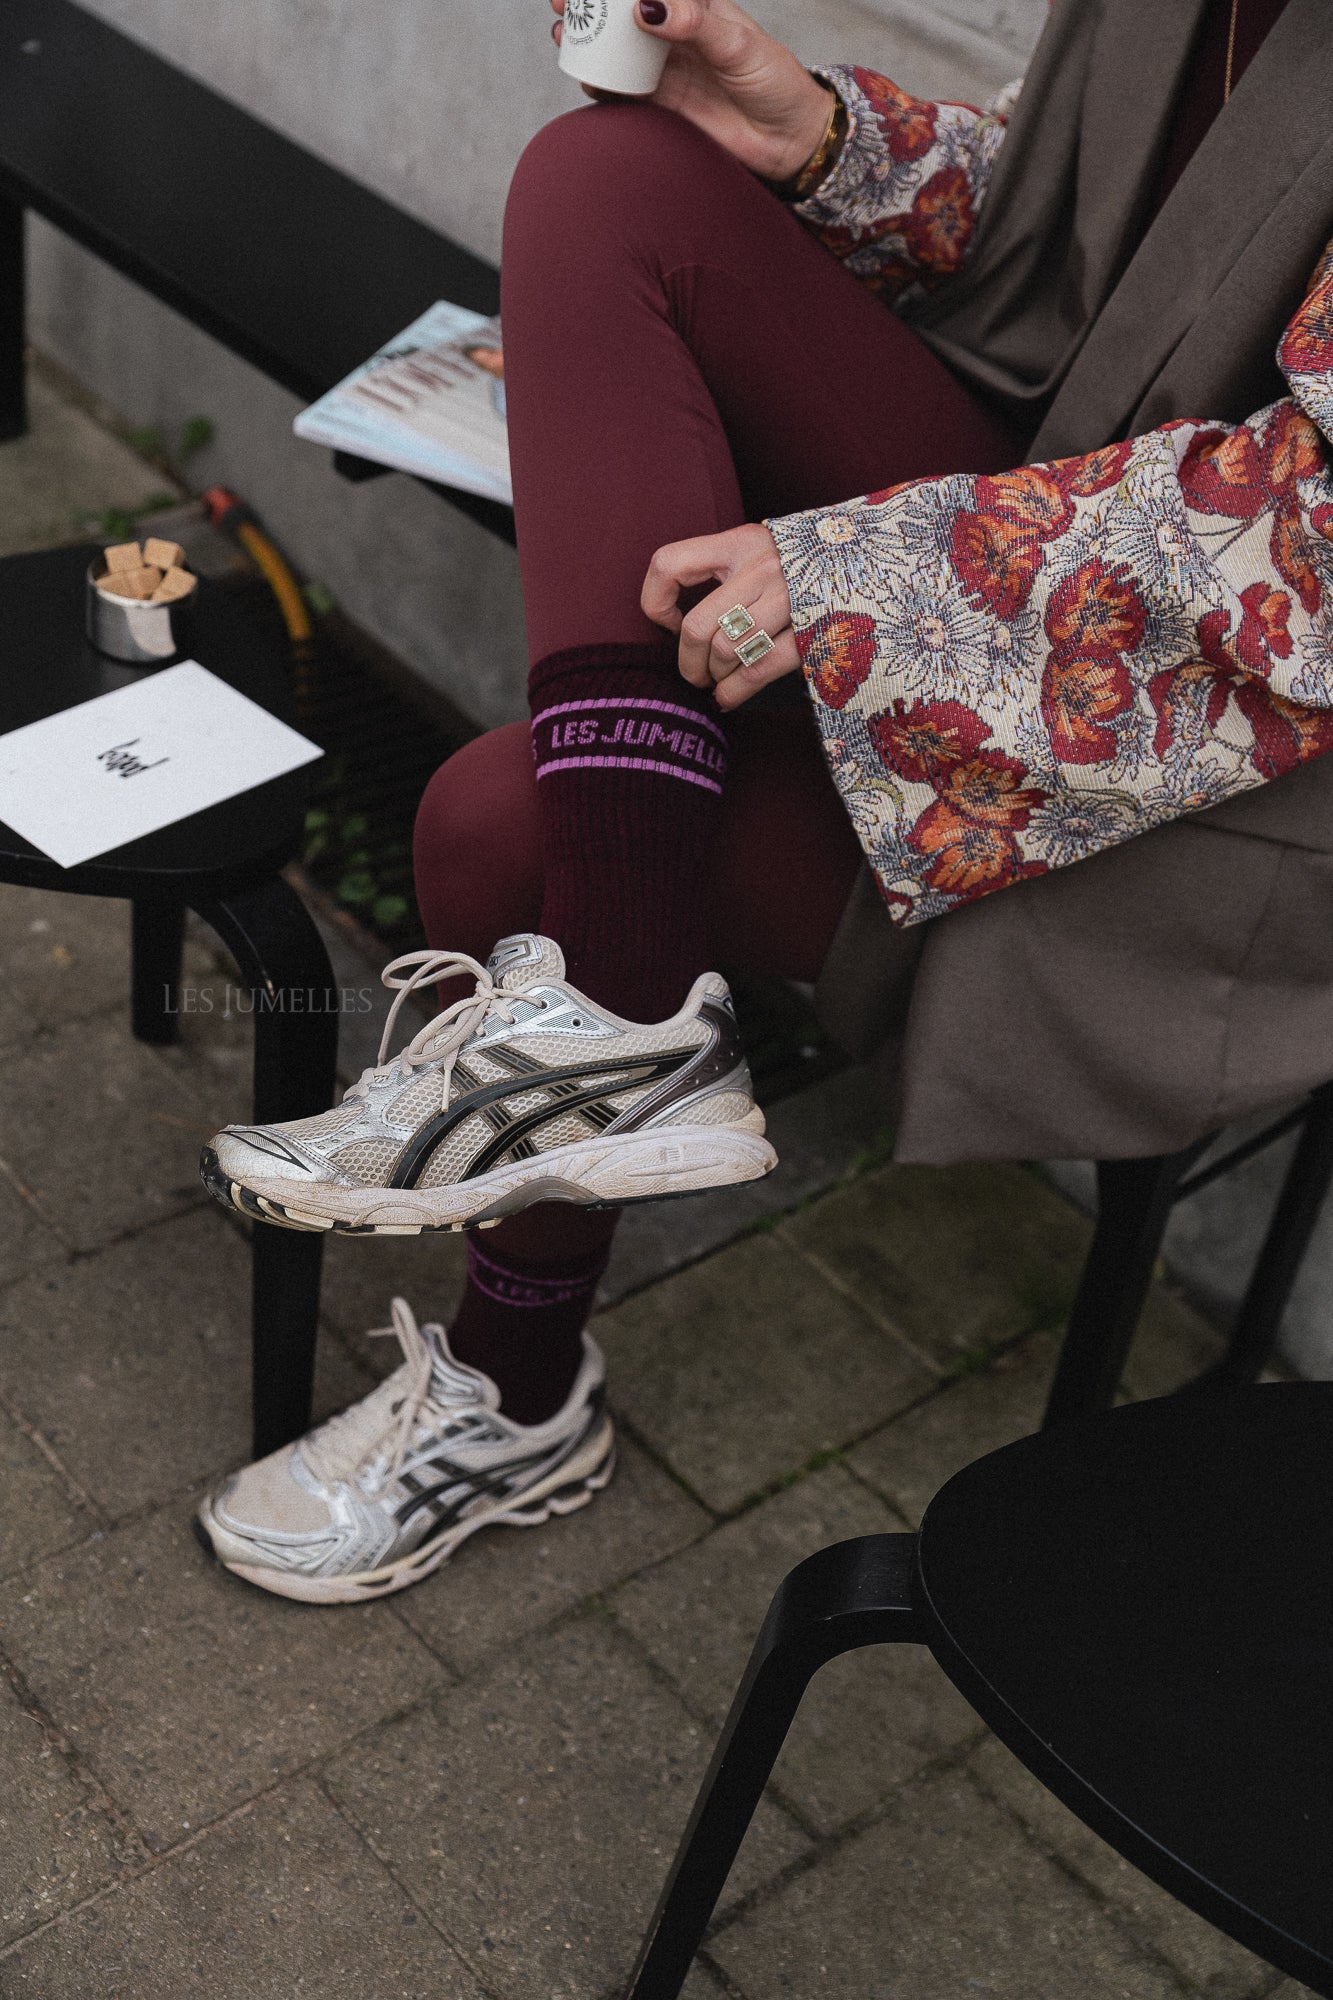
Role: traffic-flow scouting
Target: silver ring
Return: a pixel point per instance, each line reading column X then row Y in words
column 755, row 648
column 736, row 622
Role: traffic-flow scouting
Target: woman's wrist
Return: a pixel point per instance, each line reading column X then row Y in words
column 819, row 164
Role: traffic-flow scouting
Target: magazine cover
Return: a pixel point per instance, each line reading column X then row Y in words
column 431, row 402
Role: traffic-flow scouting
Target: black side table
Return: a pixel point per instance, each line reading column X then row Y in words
column 1141, row 1607
column 225, row 864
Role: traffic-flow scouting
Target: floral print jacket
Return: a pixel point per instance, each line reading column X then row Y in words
column 1012, row 672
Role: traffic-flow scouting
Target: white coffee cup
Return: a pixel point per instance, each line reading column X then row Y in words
column 601, row 43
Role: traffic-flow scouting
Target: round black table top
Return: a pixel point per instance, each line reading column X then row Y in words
column 1141, row 1607
column 48, row 665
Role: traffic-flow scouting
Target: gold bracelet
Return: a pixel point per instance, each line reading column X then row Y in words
column 799, row 186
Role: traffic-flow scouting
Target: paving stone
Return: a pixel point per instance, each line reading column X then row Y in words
column 944, row 1898
column 954, row 1258
column 700, row 1984
column 534, row 1813
column 28, row 1242
column 38, row 1513
column 65, row 957
column 134, row 1364
column 818, row 1135
column 16, row 1022
column 1211, row 1963
column 103, row 1130
column 912, row 1457
column 281, row 1900
column 55, row 1848
column 869, row 1720
column 506, row 1582
column 743, row 1368
column 362, row 1274
column 1173, row 1344
column 188, row 1691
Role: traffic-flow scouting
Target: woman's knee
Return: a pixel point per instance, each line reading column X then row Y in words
column 609, row 163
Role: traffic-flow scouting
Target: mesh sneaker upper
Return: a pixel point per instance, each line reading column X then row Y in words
column 417, row 1453
column 542, row 1068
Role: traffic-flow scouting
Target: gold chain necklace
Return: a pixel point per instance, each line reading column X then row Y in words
column 1231, row 51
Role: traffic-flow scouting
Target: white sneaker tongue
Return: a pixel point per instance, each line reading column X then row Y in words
column 525, row 960
column 451, row 1380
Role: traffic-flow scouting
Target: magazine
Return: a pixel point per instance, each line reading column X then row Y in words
column 432, row 402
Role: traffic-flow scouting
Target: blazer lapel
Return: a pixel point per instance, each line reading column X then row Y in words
column 1279, row 120
column 1139, row 60
column 1068, row 189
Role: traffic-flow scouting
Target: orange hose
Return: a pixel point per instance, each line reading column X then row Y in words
column 268, row 558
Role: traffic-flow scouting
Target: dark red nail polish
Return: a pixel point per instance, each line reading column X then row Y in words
column 653, row 11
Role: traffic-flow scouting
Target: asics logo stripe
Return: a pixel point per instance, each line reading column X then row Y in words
column 612, row 1076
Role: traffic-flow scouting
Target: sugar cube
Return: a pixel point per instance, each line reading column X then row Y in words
column 135, row 583
column 125, row 556
column 163, row 555
column 176, row 583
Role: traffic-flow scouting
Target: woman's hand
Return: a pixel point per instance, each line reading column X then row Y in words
column 744, row 563
column 735, row 83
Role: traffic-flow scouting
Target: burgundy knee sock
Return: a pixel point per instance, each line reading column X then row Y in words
column 530, row 1287
column 630, row 765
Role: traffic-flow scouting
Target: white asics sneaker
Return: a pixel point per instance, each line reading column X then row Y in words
column 523, row 1092
column 381, row 1495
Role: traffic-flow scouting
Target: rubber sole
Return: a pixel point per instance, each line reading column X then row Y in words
column 643, row 1166
column 564, row 1491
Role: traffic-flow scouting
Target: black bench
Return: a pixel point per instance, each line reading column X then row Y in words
column 294, row 266
column 304, row 273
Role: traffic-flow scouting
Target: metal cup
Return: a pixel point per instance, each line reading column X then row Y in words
column 143, row 634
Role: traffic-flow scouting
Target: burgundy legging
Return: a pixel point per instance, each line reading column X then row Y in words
column 680, row 357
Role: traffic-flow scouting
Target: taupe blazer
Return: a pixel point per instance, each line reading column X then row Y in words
column 1147, row 996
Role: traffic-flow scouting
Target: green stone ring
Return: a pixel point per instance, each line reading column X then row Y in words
column 736, row 622
column 756, row 647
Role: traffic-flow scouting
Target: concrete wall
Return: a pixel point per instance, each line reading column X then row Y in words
column 430, row 102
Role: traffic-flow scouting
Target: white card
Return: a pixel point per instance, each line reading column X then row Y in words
column 110, row 770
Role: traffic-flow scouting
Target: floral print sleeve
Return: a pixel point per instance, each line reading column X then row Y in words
column 900, row 206
column 1012, row 672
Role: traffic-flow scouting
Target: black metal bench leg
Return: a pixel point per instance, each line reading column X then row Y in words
column 283, row 961
column 13, row 328
column 157, row 939
column 1134, row 1200
column 1259, row 1320
column 856, row 1593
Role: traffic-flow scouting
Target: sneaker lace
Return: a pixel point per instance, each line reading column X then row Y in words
column 386, row 1421
column 447, row 1033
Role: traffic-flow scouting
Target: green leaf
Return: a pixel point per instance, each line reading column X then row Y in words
column 315, row 819
column 149, row 441
column 320, row 598
column 357, row 888
column 196, row 432
column 389, row 910
column 116, row 525
column 354, row 827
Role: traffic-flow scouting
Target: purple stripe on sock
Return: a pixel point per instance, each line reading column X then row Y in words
column 511, row 1292
column 627, row 764
column 622, row 701
column 509, row 1288
column 476, row 1256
